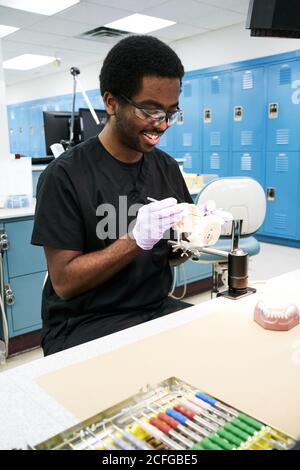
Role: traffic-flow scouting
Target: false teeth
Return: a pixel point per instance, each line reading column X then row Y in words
column 276, row 319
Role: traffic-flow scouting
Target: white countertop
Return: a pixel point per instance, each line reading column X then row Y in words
column 6, row 214
column 30, row 415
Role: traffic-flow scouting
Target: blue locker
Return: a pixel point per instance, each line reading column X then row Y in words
column 23, row 129
column 283, row 107
column 12, row 127
column 34, row 131
column 216, row 163
column 166, row 142
column 192, row 161
column 248, row 112
column 216, row 112
column 282, row 183
column 249, row 164
column 188, row 128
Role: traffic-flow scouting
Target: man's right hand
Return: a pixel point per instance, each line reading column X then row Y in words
column 154, row 219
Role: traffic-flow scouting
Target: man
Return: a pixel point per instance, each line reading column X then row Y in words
column 105, row 243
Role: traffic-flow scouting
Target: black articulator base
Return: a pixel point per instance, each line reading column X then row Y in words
column 236, row 294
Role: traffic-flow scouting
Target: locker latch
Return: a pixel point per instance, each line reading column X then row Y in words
column 9, row 295
column 4, row 242
column 238, row 113
column 273, row 110
column 271, row 194
column 207, row 116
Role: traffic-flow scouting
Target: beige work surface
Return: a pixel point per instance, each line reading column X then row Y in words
column 224, row 353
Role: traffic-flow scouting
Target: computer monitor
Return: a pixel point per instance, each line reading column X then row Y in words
column 57, row 128
column 88, row 126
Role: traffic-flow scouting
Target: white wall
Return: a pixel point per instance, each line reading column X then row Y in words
column 224, row 46
column 229, row 45
column 4, row 145
column 56, row 84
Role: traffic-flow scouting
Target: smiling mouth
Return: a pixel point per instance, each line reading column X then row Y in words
column 152, row 137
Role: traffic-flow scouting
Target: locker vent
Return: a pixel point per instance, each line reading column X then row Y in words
column 187, row 90
column 282, row 136
column 285, row 76
column 188, row 161
column 187, row 139
column 280, row 221
column 215, row 138
column 247, row 138
column 246, row 162
column 247, row 80
column 216, row 86
column 282, row 163
column 215, row 161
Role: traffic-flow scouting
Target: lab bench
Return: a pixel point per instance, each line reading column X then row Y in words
column 214, row 346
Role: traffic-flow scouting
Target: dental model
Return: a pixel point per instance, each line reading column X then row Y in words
column 276, row 319
column 202, row 226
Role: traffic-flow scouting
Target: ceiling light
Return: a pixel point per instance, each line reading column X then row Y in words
column 44, row 7
column 6, row 30
column 27, row 61
column 141, row 24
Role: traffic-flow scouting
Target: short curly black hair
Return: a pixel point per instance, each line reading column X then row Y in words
column 133, row 58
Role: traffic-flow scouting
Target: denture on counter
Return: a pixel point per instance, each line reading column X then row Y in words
column 275, row 318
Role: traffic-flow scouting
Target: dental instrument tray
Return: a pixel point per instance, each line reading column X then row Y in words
column 171, row 415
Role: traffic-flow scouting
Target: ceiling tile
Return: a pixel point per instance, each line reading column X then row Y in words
column 90, row 47
column 59, row 26
column 134, row 6
column 178, row 31
column 31, row 37
column 196, row 14
column 239, row 6
column 18, row 18
column 92, row 14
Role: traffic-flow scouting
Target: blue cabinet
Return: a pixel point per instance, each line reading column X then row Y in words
column 283, row 109
column 282, row 186
column 24, row 272
column 25, row 315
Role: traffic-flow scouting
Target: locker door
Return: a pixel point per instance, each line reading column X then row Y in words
column 166, row 142
column 216, row 112
column 34, row 131
column 188, row 128
column 282, row 194
column 191, row 161
column 251, row 164
column 22, row 138
column 283, row 107
column 216, row 163
column 248, row 110
column 12, row 127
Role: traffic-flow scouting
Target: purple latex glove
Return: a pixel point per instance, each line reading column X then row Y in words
column 154, row 219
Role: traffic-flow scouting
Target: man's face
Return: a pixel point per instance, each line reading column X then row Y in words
column 155, row 93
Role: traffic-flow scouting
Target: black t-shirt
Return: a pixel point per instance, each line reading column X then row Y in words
column 70, row 214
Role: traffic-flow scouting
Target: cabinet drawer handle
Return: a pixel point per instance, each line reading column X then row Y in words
column 9, row 295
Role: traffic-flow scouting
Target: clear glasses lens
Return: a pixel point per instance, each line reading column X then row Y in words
column 156, row 116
